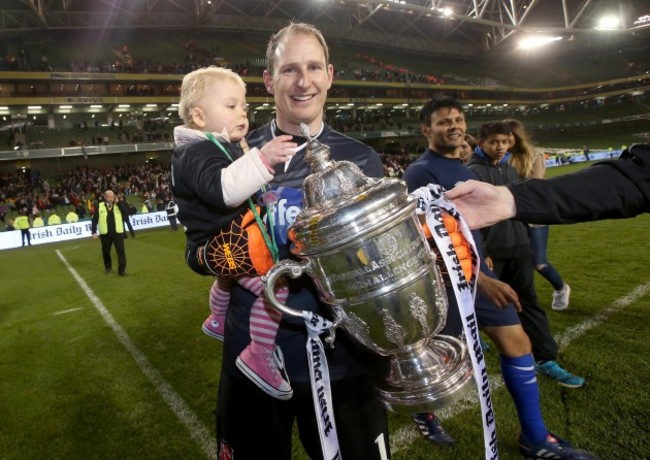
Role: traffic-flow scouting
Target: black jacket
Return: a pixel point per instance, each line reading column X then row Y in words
column 196, row 186
column 606, row 190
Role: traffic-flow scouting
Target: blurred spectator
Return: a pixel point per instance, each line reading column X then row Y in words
column 38, row 221
column 53, row 219
column 72, row 217
column 22, row 223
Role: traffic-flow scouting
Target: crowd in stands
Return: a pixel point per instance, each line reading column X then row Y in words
column 80, row 188
column 388, row 72
column 29, row 136
column 365, row 68
column 370, row 120
column 147, row 184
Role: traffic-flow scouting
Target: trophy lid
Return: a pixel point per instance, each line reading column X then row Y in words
column 341, row 204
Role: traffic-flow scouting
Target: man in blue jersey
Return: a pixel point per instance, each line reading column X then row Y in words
column 251, row 424
column 443, row 124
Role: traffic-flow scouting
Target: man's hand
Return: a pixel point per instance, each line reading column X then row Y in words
column 497, row 291
column 95, row 236
column 482, row 204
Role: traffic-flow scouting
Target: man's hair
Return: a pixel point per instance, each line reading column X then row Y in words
column 435, row 104
column 293, row 29
column 494, row 127
column 194, row 84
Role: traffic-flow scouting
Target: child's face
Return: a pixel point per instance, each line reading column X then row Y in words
column 496, row 146
column 465, row 151
column 223, row 110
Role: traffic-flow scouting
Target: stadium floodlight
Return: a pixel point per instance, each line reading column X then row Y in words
column 65, row 106
column 34, row 107
column 124, row 106
column 609, row 23
column 537, row 41
column 447, row 12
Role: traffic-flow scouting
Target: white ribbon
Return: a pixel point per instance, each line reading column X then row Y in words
column 430, row 202
column 320, row 384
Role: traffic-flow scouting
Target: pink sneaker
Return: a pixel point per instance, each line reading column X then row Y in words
column 264, row 370
column 214, row 326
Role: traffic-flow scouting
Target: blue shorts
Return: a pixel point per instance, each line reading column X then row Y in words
column 487, row 313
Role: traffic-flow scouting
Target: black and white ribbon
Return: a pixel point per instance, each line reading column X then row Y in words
column 320, row 384
column 430, row 203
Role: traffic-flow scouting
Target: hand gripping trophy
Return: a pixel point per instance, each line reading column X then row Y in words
column 359, row 239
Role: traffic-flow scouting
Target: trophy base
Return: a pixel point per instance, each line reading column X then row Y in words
column 427, row 376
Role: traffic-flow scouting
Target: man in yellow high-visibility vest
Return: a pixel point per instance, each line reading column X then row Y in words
column 22, row 223
column 110, row 217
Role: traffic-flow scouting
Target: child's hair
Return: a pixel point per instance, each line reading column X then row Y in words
column 438, row 103
column 523, row 153
column 494, row 127
column 293, row 29
column 194, row 84
column 471, row 141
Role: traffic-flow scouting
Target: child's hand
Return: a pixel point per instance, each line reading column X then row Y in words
column 279, row 150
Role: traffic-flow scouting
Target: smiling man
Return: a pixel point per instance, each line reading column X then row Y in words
column 250, row 424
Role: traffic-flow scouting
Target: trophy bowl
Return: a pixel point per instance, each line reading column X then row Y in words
column 360, row 241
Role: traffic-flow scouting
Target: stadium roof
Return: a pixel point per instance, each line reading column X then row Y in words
column 435, row 27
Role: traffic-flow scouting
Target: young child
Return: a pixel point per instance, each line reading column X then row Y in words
column 508, row 246
column 213, row 180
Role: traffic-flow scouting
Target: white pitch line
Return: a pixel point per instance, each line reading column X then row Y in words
column 64, row 312
column 404, row 436
column 183, row 412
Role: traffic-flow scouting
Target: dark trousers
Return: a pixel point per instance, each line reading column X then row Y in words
column 255, row 426
column 107, row 241
column 519, row 274
column 25, row 235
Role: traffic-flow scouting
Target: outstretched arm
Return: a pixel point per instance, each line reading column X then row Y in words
column 482, row 204
column 606, row 190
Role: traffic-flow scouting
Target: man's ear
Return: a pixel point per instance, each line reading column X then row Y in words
column 426, row 130
column 268, row 81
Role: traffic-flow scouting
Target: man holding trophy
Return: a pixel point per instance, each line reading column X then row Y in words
column 251, row 424
column 370, row 263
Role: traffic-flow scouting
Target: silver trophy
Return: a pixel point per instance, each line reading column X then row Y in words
column 360, row 241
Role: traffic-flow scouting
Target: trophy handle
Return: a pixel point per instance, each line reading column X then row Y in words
column 291, row 268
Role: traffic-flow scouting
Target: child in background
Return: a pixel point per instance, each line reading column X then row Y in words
column 530, row 163
column 466, row 150
column 213, row 180
column 508, row 246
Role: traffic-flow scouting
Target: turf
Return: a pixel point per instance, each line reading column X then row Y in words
column 70, row 389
